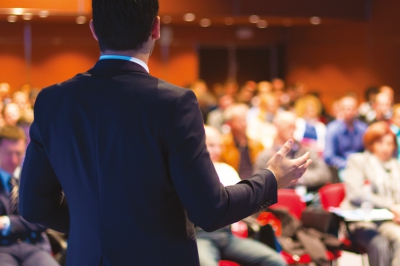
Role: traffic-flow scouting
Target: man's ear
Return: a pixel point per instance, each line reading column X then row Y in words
column 155, row 32
column 92, row 30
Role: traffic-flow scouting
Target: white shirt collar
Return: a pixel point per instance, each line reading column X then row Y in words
column 127, row 58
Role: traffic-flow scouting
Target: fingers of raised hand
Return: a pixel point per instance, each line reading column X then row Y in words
column 286, row 148
column 301, row 160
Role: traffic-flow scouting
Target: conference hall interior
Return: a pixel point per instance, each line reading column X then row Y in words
column 324, row 73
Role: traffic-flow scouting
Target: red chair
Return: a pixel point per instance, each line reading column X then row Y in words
column 332, row 195
column 288, row 199
column 227, row 263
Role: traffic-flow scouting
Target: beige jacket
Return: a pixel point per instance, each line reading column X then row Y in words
column 384, row 179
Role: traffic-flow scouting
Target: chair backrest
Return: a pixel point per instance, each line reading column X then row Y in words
column 288, row 199
column 332, row 195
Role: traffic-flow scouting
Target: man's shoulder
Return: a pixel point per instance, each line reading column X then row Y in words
column 169, row 90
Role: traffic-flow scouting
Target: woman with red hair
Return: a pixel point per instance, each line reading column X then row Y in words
column 378, row 165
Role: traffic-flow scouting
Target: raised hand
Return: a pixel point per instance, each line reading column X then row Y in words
column 287, row 171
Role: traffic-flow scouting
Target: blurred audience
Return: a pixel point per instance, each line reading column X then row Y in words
column 216, row 117
column 316, row 175
column 381, row 108
column 21, row 243
column 255, row 122
column 395, row 126
column 381, row 170
column 11, row 114
column 344, row 135
column 205, row 98
column 309, row 130
column 260, row 125
column 222, row 244
column 246, row 93
column 239, row 151
column 366, row 107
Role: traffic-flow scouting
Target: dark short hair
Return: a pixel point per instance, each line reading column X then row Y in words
column 123, row 24
column 12, row 133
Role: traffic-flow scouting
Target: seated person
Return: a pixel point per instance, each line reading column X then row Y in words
column 222, row 244
column 239, row 150
column 344, row 136
column 309, row 130
column 379, row 166
column 317, row 174
column 21, row 243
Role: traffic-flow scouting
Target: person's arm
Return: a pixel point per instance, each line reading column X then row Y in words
column 331, row 156
column 208, row 203
column 41, row 199
column 15, row 224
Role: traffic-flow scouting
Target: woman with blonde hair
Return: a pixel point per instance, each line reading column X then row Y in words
column 309, row 130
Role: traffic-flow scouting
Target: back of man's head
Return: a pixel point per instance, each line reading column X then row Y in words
column 122, row 25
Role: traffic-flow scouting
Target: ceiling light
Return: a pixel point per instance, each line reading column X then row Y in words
column 27, row 16
column 81, row 20
column 229, row 21
column 315, row 20
column 254, row 18
column 287, row 22
column 43, row 13
column 189, row 17
column 262, row 24
column 12, row 18
column 205, row 22
column 18, row 11
column 166, row 19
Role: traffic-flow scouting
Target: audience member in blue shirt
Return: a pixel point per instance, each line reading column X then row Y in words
column 345, row 135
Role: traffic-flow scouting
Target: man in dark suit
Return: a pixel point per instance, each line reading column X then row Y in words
column 128, row 151
column 21, row 243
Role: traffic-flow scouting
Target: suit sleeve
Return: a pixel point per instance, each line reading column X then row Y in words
column 208, row 203
column 41, row 199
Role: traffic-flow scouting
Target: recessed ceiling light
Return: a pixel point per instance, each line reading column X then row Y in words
column 81, row 20
column 166, row 19
column 315, row 20
column 189, row 17
column 205, row 22
column 18, row 11
column 229, row 21
column 262, row 24
column 287, row 22
column 27, row 16
column 12, row 18
column 254, row 18
column 43, row 13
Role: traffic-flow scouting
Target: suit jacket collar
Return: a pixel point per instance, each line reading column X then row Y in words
column 112, row 66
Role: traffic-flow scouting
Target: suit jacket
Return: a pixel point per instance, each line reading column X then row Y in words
column 19, row 228
column 231, row 155
column 128, row 150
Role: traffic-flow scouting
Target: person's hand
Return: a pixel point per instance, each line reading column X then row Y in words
column 287, row 171
column 2, row 222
